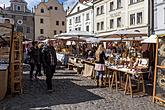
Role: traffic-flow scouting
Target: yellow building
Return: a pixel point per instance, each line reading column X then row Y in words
column 50, row 19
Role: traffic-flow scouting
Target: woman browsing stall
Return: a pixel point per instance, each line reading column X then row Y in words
column 100, row 64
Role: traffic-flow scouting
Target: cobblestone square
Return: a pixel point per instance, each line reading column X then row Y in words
column 73, row 92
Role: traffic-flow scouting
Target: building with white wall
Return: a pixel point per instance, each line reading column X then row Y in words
column 112, row 15
column 159, row 13
column 80, row 17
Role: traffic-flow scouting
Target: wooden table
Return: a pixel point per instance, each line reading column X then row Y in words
column 128, row 84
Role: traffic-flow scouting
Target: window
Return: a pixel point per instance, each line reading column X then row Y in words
column 111, row 23
column 139, row 0
column 78, row 9
column 98, row 9
column 42, row 20
column 132, row 2
column 57, row 22
column 63, row 23
column 41, row 31
column 87, row 16
column 24, row 18
column 50, row 8
column 19, row 29
column 55, row 32
column 132, row 19
column 98, row 26
column 139, row 18
column 70, row 21
column 111, row 6
column 118, row 4
column 164, row 15
column 102, row 9
column 102, row 25
column 119, row 22
column 18, row 8
column 56, row 8
column 28, row 30
column 60, row 32
column 79, row 28
column 78, row 19
column 87, row 28
column 42, row 10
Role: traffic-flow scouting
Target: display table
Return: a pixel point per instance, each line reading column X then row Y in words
column 89, row 69
column 129, row 73
column 3, row 80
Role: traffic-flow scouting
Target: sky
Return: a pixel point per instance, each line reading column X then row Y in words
column 32, row 3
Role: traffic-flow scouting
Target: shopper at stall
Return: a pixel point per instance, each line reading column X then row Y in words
column 100, row 64
column 34, row 59
column 49, row 62
column 40, row 47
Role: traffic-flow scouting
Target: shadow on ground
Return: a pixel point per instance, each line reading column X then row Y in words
column 35, row 94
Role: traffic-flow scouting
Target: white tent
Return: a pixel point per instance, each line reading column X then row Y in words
column 151, row 39
column 76, row 34
column 121, row 34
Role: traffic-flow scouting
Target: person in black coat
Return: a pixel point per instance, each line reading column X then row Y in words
column 34, row 59
column 49, row 62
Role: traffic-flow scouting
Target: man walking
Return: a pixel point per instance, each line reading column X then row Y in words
column 34, row 59
column 49, row 62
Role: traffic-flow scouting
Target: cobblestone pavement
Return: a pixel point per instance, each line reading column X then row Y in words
column 73, row 92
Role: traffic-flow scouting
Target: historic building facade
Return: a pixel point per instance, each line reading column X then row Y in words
column 159, row 13
column 50, row 19
column 23, row 17
column 80, row 17
column 112, row 15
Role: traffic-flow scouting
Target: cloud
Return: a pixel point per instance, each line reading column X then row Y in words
column 69, row 3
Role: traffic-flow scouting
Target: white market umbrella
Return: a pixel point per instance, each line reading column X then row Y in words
column 77, row 34
column 121, row 34
column 150, row 40
column 92, row 40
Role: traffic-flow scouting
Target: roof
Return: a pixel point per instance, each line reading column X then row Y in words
column 20, row 1
column 76, row 5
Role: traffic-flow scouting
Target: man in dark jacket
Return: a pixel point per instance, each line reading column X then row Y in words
column 34, row 59
column 49, row 62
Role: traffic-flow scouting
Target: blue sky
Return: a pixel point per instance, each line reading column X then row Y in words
column 32, row 3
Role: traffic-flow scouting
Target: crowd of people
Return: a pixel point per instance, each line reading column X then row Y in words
column 41, row 56
column 44, row 56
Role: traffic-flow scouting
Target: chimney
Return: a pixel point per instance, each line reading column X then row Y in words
column 4, row 6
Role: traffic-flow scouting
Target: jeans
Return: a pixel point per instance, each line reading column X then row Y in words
column 99, row 74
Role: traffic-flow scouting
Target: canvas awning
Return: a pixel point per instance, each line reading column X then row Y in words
column 76, row 34
column 121, row 34
column 151, row 39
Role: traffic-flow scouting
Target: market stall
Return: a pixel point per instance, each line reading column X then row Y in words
column 159, row 75
column 6, row 27
column 11, row 58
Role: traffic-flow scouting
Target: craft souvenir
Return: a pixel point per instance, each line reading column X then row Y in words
column 163, row 63
column 161, row 79
column 162, row 50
